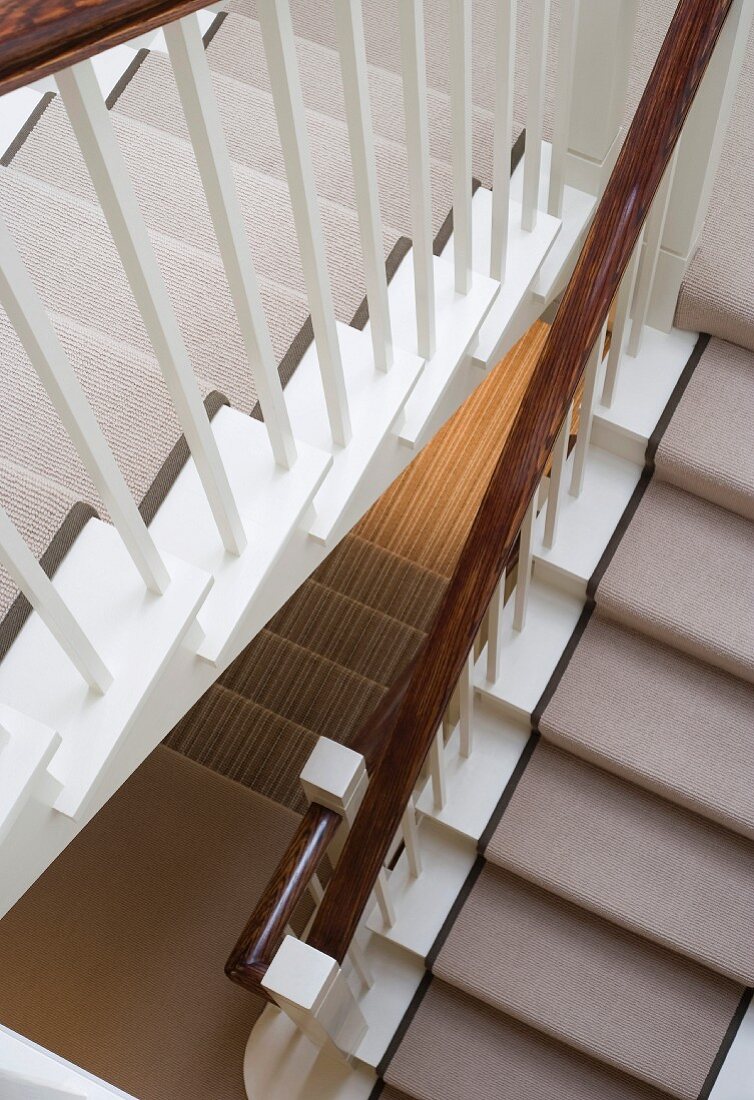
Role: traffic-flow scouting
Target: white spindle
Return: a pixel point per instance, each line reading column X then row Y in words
column 494, row 631
column 411, row 839
column 524, row 570
column 358, row 959
column 192, row 75
column 28, row 316
column 620, row 324
column 505, row 62
column 535, row 110
column 279, row 45
column 316, row 889
column 413, row 67
column 91, row 123
column 460, row 109
column 557, row 477
column 437, row 770
column 467, row 707
column 353, row 59
column 586, row 414
column 28, row 574
column 384, row 900
column 653, row 231
column 569, row 18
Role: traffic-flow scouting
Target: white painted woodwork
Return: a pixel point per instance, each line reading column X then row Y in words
column 349, row 23
column 26, row 748
column 384, row 900
column 411, row 839
column 557, row 480
column 29, row 318
column 494, row 627
column 335, row 777
column 357, row 959
column 414, row 74
column 194, row 83
column 14, row 1086
column 569, row 18
column 460, row 124
column 505, row 62
column 620, row 326
column 466, row 693
column 653, row 230
column 312, row 989
column 586, row 414
column 94, row 132
column 523, row 570
column 437, row 769
column 279, row 45
column 28, row 575
column 535, row 110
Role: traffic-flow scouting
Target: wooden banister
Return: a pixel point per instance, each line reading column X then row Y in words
column 647, row 150
column 38, row 37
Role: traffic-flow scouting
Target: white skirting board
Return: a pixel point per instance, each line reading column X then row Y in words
column 25, row 1059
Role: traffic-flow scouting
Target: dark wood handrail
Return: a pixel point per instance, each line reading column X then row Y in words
column 612, row 238
column 39, row 37
column 265, row 929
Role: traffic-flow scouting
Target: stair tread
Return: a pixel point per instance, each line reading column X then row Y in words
column 485, row 1054
column 604, row 991
column 651, row 714
column 683, row 574
column 302, row 686
column 246, row 742
column 52, row 155
column 633, row 858
column 706, row 448
column 152, row 100
column 382, row 580
column 348, row 632
column 70, row 255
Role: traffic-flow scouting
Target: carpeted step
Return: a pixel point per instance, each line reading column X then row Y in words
column 600, row 989
column 152, row 100
column 137, row 917
column 71, row 256
column 347, row 632
column 379, row 579
column 630, row 856
column 303, row 687
column 457, row 1048
column 706, row 449
column 683, row 574
column 237, row 52
column 668, row 722
column 243, row 741
column 51, row 155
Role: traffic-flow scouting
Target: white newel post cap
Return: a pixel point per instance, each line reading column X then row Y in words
column 336, row 777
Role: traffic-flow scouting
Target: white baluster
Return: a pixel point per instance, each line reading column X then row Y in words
column 411, row 839
column 505, row 62
column 494, row 631
column 192, row 76
column 277, row 33
column 413, row 67
column 384, row 900
column 525, row 556
column 569, row 17
column 91, row 124
column 28, row 316
column 653, row 231
column 620, row 324
column 467, row 707
column 437, row 770
column 535, row 110
column 557, row 477
column 460, row 111
column 316, row 889
column 28, row 574
column 353, row 60
column 586, row 414
column 358, row 959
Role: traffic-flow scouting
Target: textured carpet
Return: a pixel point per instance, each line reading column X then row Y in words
column 134, row 922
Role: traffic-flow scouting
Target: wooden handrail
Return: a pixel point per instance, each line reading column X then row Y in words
column 265, row 929
column 612, row 238
column 38, row 37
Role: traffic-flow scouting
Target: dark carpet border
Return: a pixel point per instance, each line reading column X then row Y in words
column 722, row 1054
column 507, row 795
column 26, row 129
column 675, row 399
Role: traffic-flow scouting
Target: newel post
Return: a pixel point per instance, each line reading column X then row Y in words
column 698, row 160
column 308, row 985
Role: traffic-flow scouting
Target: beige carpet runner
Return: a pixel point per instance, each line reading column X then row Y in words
column 609, row 923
